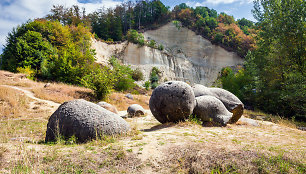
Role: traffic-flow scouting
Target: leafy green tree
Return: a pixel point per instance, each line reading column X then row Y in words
column 280, row 57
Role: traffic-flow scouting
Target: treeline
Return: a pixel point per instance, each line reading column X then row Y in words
column 113, row 24
column 273, row 78
column 221, row 29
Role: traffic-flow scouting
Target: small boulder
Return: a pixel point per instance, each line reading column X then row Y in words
column 172, row 101
column 129, row 96
column 108, row 106
column 209, row 108
column 84, row 120
column 135, row 110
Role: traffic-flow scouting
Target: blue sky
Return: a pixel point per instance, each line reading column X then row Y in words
column 16, row 12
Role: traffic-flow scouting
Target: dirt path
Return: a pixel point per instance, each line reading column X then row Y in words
column 37, row 103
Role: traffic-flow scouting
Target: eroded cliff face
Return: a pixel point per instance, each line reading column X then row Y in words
column 187, row 56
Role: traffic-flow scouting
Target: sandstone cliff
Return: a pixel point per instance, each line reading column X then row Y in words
column 187, row 56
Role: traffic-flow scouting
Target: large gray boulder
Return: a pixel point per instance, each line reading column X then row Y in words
column 108, row 106
column 84, row 120
column 209, row 108
column 230, row 101
column 135, row 110
column 172, row 101
column 201, row 90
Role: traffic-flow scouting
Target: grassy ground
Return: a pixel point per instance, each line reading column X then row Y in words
column 150, row 147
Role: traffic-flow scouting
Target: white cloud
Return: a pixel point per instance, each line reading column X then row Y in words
column 16, row 12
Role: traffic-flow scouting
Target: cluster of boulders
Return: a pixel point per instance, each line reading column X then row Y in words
column 175, row 101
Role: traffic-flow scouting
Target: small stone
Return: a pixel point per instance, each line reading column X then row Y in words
column 47, row 85
column 129, row 96
column 135, row 110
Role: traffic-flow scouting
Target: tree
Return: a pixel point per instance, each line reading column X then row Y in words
column 280, row 57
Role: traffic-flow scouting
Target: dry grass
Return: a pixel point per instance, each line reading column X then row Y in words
column 60, row 93
column 122, row 103
column 258, row 115
column 12, row 103
column 202, row 158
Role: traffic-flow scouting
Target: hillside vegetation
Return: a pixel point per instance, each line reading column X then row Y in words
column 57, row 48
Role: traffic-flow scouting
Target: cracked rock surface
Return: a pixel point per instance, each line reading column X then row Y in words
column 84, row 120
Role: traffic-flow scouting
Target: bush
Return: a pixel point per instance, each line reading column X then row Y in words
column 154, row 77
column 135, row 37
column 123, row 74
column 147, row 85
column 101, row 80
column 160, row 47
column 152, row 44
column 154, row 85
column 30, row 73
column 137, row 75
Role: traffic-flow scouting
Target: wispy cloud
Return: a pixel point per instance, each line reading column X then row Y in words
column 16, row 12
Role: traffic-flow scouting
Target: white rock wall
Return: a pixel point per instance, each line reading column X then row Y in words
column 187, row 56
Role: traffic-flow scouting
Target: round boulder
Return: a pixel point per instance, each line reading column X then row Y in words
column 172, row 101
column 209, row 108
column 84, row 120
column 108, row 106
column 135, row 110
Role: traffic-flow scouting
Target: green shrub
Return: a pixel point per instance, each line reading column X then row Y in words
column 101, row 80
column 123, row 74
column 30, row 73
column 135, row 37
column 154, row 85
column 147, row 85
column 137, row 74
column 160, row 47
column 152, row 44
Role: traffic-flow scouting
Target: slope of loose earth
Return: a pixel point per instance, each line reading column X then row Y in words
column 151, row 147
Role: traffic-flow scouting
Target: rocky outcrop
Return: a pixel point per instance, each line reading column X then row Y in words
column 172, row 101
column 84, row 120
column 187, row 57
